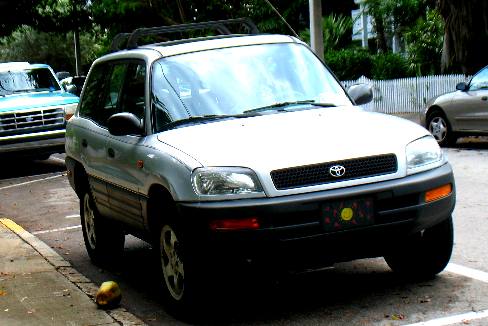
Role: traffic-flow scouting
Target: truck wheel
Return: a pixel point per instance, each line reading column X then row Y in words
column 424, row 254
column 104, row 241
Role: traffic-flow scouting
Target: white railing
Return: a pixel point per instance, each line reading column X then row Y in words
column 406, row 95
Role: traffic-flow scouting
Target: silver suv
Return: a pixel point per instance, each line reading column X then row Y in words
column 238, row 150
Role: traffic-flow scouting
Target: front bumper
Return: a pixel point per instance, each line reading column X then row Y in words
column 293, row 225
column 33, row 144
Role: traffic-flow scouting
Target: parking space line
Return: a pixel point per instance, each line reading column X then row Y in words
column 57, row 230
column 32, row 181
column 461, row 318
column 468, row 272
column 456, row 319
column 72, row 216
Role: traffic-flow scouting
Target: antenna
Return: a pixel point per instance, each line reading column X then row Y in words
column 283, row 19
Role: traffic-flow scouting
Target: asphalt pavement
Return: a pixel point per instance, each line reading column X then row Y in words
column 39, row 287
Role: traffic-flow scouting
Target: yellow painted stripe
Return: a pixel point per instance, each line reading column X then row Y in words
column 12, row 225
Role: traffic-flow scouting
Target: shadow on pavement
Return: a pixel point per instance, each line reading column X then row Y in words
column 24, row 167
column 342, row 293
column 475, row 143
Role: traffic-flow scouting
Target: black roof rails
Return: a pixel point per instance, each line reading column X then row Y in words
column 220, row 26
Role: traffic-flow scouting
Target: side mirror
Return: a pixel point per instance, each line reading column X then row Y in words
column 125, row 123
column 462, row 86
column 361, row 93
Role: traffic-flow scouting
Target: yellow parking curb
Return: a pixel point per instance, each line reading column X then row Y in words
column 12, row 225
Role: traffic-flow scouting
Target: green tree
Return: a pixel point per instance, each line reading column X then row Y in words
column 16, row 13
column 336, row 30
column 424, row 44
column 394, row 17
column 27, row 44
column 465, row 34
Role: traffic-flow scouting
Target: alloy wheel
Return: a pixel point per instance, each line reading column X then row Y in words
column 172, row 263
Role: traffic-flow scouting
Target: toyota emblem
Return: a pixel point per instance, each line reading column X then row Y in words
column 337, row 171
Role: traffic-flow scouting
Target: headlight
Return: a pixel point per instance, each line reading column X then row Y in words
column 225, row 181
column 423, row 154
column 69, row 110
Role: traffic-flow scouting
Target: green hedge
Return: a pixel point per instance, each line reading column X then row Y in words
column 350, row 64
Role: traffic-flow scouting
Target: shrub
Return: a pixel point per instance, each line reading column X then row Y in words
column 389, row 66
column 349, row 64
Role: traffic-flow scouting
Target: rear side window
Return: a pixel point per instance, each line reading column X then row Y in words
column 96, row 86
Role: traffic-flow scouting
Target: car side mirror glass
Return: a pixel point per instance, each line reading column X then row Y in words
column 123, row 124
column 360, row 93
column 462, row 86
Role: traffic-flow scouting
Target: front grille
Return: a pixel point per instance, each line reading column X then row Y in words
column 22, row 122
column 310, row 175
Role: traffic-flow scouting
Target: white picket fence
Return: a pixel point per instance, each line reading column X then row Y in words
column 406, row 95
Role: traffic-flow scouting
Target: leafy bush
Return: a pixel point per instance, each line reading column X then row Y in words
column 349, row 64
column 389, row 66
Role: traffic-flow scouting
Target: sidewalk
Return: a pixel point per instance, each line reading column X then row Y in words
column 38, row 287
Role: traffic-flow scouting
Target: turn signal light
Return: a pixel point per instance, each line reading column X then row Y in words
column 250, row 223
column 438, row 193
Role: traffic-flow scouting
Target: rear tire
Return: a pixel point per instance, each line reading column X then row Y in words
column 424, row 254
column 104, row 241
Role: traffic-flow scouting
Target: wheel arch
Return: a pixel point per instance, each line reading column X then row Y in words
column 431, row 110
column 77, row 176
column 159, row 200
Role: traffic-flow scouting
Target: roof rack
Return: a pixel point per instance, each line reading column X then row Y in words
column 221, row 26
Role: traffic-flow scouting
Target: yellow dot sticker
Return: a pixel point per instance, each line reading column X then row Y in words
column 347, row 214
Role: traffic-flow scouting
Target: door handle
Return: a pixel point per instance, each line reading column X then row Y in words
column 111, row 153
column 84, row 143
column 484, row 98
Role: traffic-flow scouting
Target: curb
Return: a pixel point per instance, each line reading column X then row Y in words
column 119, row 315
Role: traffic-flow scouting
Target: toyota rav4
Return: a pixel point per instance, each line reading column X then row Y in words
column 244, row 148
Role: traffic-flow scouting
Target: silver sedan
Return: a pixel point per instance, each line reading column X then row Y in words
column 463, row 112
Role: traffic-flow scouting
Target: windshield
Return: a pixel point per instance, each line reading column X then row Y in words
column 28, row 80
column 239, row 80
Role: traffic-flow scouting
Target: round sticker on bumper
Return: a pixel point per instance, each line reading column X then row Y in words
column 347, row 214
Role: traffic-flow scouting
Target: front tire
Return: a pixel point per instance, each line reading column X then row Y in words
column 440, row 128
column 104, row 241
column 181, row 277
column 424, row 254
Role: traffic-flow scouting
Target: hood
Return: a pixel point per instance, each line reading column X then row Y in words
column 443, row 98
column 298, row 138
column 35, row 100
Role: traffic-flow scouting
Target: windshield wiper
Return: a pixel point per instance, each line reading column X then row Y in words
column 205, row 118
column 279, row 106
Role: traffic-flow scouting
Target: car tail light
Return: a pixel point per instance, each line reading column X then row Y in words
column 251, row 223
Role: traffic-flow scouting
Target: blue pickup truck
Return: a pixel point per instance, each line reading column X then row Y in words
column 34, row 108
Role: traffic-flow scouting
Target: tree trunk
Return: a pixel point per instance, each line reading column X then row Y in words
column 465, row 35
